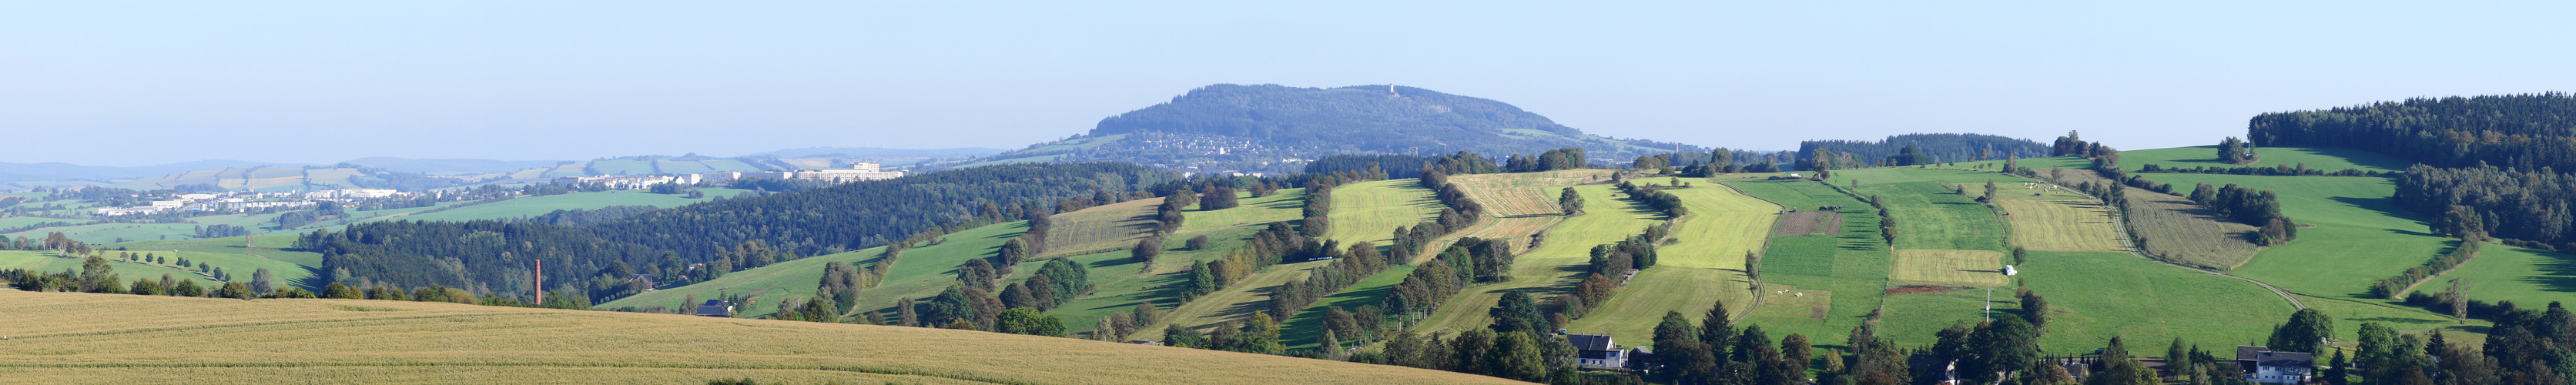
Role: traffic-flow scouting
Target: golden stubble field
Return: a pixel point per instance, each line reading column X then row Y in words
column 115, row 338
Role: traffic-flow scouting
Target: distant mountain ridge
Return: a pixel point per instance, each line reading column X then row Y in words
column 11, row 172
column 51, row 174
column 1274, row 128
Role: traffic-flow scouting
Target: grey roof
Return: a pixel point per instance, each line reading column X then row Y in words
column 1589, row 342
column 713, row 302
column 2286, row 359
column 2244, row 352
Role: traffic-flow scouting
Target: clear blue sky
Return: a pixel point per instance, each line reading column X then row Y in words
column 130, row 83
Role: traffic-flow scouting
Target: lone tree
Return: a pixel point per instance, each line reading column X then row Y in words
column 1147, row 249
column 2307, row 331
column 1572, row 202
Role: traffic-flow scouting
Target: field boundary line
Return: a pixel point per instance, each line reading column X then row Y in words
column 2410, row 288
column 1759, row 251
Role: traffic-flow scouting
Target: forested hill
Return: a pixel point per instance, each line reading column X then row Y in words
column 1929, row 148
column 724, row 235
column 2488, row 166
column 2526, row 131
column 1255, row 127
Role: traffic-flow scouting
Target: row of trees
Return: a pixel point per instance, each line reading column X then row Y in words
column 1558, row 159
column 1454, row 268
column 2300, row 169
column 1609, row 268
column 98, row 275
column 1318, row 212
column 1274, row 243
column 2073, row 144
column 1655, row 199
column 1912, row 149
column 1346, row 269
column 2395, row 287
column 2249, row 206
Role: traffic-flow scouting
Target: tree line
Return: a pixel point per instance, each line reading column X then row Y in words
column 700, row 242
column 2300, row 169
column 2524, row 207
column 2523, row 131
column 1609, row 267
column 1911, row 149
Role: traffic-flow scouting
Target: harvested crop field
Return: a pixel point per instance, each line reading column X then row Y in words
column 1523, row 194
column 1969, row 268
column 2062, row 225
column 1809, row 223
column 116, row 338
column 2178, row 230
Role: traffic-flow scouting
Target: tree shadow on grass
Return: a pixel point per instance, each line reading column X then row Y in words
column 2555, row 272
column 2384, row 206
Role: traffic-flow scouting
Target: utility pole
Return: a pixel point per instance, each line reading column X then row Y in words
column 541, row 283
column 1990, row 304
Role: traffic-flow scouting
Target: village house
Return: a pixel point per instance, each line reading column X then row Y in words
column 2264, row 366
column 1597, row 351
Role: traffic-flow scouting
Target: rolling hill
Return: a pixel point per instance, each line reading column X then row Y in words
column 1273, row 128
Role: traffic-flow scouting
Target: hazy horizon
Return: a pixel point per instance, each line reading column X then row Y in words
column 124, row 84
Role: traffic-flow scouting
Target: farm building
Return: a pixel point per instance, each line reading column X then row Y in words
column 1596, row 351
column 2262, row 365
column 715, row 308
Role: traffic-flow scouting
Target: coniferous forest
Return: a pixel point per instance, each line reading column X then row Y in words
column 2488, row 166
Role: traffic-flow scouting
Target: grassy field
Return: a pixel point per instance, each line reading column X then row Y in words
column 534, row 206
column 289, row 267
column 2095, row 296
column 1171, row 268
column 1928, row 215
column 1113, row 292
column 2529, row 278
column 2062, row 225
column 70, row 337
column 116, row 232
column 622, row 167
column 1555, row 266
column 2358, row 231
column 1287, row 204
column 1306, row 330
column 1117, row 225
column 2049, row 162
column 1235, row 302
column 12, row 222
column 2316, row 158
column 1954, row 268
column 921, row 272
column 1831, row 282
column 1370, row 211
column 1704, row 265
column 680, row 167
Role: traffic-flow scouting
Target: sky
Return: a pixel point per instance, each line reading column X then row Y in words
column 137, row 83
